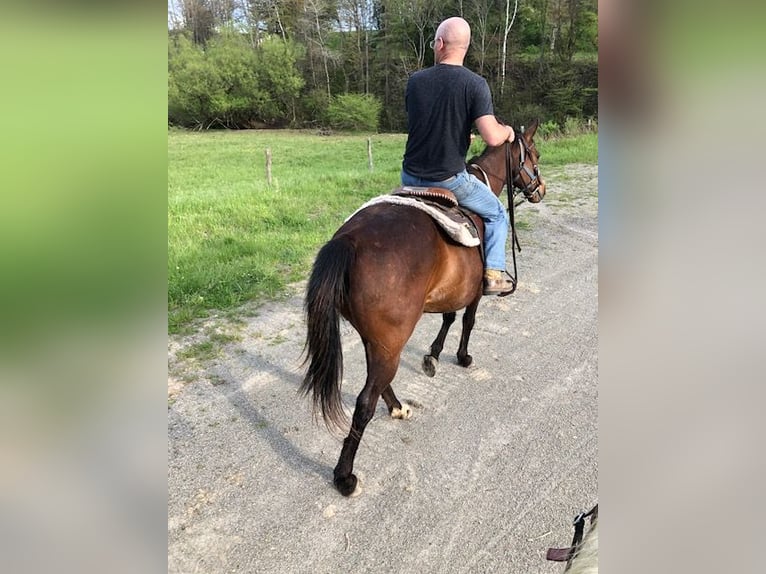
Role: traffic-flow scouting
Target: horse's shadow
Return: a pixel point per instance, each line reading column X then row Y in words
column 269, row 428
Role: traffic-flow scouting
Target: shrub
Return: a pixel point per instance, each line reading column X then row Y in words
column 573, row 126
column 354, row 112
column 229, row 83
column 549, row 129
column 279, row 77
column 312, row 108
column 241, row 97
column 193, row 85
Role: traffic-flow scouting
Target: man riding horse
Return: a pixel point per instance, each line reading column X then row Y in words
column 443, row 102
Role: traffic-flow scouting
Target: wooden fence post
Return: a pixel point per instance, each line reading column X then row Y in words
column 369, row 153
column 268, row 166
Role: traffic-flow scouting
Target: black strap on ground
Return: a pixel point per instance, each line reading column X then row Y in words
column 566, row 554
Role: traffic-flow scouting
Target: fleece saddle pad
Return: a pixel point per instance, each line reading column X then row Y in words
column 456, row 224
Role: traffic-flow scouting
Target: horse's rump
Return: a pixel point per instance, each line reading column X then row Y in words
column 402, row 249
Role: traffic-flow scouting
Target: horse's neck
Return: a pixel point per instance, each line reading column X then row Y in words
column 491, row 165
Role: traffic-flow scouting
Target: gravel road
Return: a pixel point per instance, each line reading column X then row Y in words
column 486, row 475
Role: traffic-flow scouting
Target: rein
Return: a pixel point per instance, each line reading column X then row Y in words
column 512, row 214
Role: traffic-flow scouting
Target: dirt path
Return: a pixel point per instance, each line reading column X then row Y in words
column 486, row 475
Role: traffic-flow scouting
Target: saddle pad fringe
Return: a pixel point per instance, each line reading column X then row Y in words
column 437, row 194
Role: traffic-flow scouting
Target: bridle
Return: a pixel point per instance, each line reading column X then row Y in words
column 533, row 175
column 532, row 186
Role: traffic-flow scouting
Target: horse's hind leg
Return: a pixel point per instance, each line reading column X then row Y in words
column 396, row 409
column 381, row 368
column 430, row 360
column 469, row 319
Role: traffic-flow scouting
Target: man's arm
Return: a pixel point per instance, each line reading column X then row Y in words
column 492, row 132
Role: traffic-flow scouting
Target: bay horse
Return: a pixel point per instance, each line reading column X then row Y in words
column 385, row 267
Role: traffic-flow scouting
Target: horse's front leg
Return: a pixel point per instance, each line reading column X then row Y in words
column 430, row 360
column 469, row 319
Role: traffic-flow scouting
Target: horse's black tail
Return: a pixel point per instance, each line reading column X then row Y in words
column 326, row 294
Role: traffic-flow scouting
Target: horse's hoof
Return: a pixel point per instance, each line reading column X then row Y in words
column 347, row 486
column 429, row 365
column 403, row 413
column 465, row 361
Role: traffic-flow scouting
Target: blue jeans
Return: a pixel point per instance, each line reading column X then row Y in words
column 472, row 194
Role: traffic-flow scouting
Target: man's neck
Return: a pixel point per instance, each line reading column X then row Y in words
column 451, row 61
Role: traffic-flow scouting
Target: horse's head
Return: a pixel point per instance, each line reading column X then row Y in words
column 491, row 166
column 526, row 176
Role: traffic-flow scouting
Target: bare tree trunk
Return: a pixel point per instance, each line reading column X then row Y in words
column 316, row 8
column 480, row 15
column 543, row 26
column 366, row 61
column 422, row 14
column 279, row 21
column 557, row 26
column 554, row 33
column 509, row 20
column 252, row 22
column 199, row 19
column 420, row 48
column 361, row 34
column 574, row 13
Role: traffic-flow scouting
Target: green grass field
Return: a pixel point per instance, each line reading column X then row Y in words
column 233, row 238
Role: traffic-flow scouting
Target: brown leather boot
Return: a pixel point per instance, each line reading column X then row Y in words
column 495, row 283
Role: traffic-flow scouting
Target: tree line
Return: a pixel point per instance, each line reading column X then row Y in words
column 344, row 64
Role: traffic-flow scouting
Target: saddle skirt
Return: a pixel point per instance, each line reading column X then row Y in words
column 440, row 204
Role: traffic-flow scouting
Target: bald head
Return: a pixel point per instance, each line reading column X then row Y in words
column 455, row 35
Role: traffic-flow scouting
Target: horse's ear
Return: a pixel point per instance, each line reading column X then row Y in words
column 529, row 133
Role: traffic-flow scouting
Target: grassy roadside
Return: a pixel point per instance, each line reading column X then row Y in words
column 232, row 237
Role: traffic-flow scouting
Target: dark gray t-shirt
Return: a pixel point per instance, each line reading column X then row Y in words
column 442, row 103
